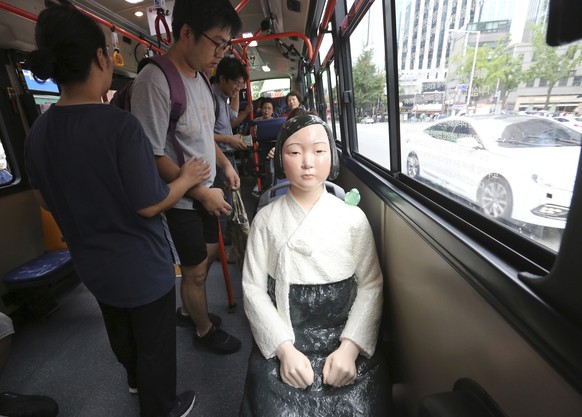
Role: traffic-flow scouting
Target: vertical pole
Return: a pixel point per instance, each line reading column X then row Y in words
column 472, row 70
column 225, row 270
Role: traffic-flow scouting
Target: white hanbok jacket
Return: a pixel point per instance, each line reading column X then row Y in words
column 330, row 243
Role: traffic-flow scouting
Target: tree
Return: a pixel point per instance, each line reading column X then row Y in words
column 256, row 87
column 551, row 64
column 496, row 70
column 464, row 61
column 369, row 82
column 504, row 71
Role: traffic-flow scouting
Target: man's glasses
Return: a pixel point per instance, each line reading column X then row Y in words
column 239, row 84
column 220, row 47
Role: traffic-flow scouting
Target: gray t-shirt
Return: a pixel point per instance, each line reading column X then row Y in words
column 150, row 103
column 224, row 116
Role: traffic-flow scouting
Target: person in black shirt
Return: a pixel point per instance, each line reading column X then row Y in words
column 92, row 166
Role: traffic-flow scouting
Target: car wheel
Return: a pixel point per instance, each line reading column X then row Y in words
column 495, row 197
column 412, row 166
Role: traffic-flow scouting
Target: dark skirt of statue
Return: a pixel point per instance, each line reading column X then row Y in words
column 318, row 314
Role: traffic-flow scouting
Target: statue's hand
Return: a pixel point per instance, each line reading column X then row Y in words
column 340, row 366
column 296, row 369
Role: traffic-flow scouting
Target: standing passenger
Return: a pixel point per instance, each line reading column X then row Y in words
column 91, row 165
column 229, row 79
column 202, row 30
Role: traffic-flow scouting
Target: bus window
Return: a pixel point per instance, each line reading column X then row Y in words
column 6, row 176
column 369, row 78
column 275, row 88
column 326, row 44
column 504, row 105
column 45, row 93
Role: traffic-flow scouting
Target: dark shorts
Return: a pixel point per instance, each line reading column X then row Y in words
column 191, row 230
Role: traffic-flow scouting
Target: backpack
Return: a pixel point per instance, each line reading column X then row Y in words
column 122, row 97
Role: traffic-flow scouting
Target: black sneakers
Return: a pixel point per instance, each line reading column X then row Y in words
column 19, row 405
column 217, row 340
column 185, row 321
column 184, row 404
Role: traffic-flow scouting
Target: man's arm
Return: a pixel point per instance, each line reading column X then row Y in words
column 192, row 173
column 227, row 169
column 242, row 115
column 168, row 170
column 234, row 102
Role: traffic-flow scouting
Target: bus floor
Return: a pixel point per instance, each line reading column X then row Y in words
column 67, row 357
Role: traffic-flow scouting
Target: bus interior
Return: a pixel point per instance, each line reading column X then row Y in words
column 478, row 236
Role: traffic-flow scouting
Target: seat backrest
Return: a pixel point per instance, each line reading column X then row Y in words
column 267, row 130
column 53, row 238
column 281, row 106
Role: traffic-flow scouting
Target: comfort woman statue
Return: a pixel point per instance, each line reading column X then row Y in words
column 312, row 292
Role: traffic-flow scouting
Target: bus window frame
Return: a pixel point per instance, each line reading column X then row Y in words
column 511, row 239
column 341, row 33
column 13, row 134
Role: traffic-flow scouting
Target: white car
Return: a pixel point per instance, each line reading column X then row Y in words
column 367, row 120
column 570, row 121
column 519, row 168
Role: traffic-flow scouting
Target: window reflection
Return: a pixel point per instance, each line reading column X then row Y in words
column 490, row 115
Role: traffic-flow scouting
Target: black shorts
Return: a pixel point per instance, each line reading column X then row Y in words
column 191, row 230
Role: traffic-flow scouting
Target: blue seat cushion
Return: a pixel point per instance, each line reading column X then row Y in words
column 43, row 269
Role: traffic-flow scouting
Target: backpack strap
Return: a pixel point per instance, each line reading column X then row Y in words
column 177, row 98
column 207, row 81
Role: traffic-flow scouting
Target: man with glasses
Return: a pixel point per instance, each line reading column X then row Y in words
column 202, row 30
column 229, row 79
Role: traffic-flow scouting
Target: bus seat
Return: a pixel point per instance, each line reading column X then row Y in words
column 281, row 109
column 32, row 285
column 266, row 132
column 43, row 269
column 280, row 189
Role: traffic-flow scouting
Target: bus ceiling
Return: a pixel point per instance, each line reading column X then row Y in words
column 287, row 52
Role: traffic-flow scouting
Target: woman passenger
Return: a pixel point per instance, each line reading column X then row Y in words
column 267, row 109
column 91, row 165
column 293, row 100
